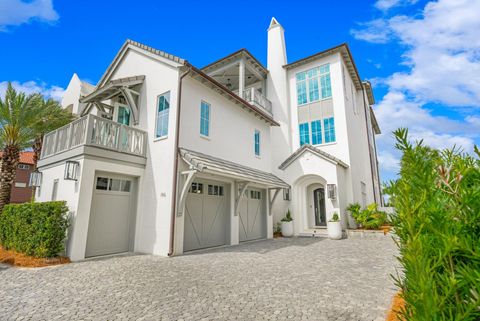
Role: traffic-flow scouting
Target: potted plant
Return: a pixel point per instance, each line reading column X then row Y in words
column 287, row 225
column 334, row 228
column 277, row 231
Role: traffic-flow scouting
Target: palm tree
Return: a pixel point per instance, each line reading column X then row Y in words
column 18, row 116
column 51, row 117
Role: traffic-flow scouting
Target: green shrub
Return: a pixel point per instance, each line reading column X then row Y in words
column 288, row 217
column 35, row 229
column 437, row 221
column 369, row 218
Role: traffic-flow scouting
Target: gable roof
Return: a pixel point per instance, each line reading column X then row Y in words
column 315, row 151
column 249, row 57
column 344, row 50
column 130, row 44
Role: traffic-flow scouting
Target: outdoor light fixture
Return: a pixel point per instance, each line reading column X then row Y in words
column 35, row 179
column 332, row 191
column 71, row 170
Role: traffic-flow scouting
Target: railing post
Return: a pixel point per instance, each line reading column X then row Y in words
column 89, row 130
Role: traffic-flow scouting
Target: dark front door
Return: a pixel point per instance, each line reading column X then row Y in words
column 319, row 206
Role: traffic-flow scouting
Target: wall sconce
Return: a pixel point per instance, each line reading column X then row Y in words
column 71, row 170
column 332, row 191
column 35, row 179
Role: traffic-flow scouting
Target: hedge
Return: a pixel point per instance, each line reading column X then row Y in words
column 437, row 202
column 35, row 229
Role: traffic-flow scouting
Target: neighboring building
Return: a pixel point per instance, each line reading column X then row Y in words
column 167, row 158
column 21, row 191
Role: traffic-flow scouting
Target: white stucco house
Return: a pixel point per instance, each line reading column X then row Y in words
column 166, row 158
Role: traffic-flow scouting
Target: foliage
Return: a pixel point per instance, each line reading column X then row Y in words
column 369, row 218
column 335, row 217
column 277, row 228
column 36, row 229
column 288, row 217
column 437, row 202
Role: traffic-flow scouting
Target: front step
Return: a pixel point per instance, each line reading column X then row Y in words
column 318, row 232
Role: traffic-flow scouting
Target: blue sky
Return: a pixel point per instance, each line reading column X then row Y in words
column 423, row 57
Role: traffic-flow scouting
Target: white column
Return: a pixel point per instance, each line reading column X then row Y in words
column 241, row 77
column 234, row 219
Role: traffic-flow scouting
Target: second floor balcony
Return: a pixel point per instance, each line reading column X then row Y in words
column 96, row 132
column 255, row 97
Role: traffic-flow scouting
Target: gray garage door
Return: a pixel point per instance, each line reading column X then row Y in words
column 111, row 216
column 252, row 214
column 206, row 212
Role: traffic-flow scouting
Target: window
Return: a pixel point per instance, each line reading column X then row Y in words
column 304, row 134
column 162, row 115
column 329, row 127
column 113, row 184
column 23, row 166
column 123, row 115
column 256, row 195
column 313, row 84
column 204, row 119
column 286, row 194
column 20, row 184
column 196, row 188
column 54, row 190
column 316, row 132
column 102, row 183
column 257, row 142
column 215, row 190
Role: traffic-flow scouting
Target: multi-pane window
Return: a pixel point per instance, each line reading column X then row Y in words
column 313, row 84
column 329, row 128
column 123, row 115
column 216, row 190
column 257, row 142
column 316, row 132
column 162, row 115
column 256, row 195
column 205, row 119
column 304, row 134
column 196, row 188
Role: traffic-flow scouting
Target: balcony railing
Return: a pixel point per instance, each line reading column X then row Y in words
column 95, row 131
column 255, row 97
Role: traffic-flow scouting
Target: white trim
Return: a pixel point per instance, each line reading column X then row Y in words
column 156, row 117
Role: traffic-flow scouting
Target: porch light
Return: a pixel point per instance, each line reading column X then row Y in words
column 71, row 170
column 35, row 179
column 332, row 191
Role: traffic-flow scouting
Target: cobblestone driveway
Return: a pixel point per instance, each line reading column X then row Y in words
column 294, row 279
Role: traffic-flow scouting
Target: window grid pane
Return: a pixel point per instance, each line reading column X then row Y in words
column 304, row 134
column 316, row 82
column 257, row 142
column 162, row 115
column 329, row 127
column 316, row 132
column 205, row 119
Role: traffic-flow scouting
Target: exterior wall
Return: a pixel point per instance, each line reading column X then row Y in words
column 22, row 194
column 231, row 132
column 156, row 189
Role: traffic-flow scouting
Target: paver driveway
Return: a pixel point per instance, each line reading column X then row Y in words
column 294, row 279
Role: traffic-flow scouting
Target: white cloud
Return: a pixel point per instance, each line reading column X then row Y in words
column 385, row 5
column 30, row 87
column 442, row 60
column 17, row 12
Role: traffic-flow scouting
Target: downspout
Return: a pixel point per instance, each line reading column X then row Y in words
column 175, row 164
column 368, row 140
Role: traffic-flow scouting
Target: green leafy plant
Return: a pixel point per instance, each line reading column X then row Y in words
column 278, row 228
column 35, row 229
column 369, row 218
column 437, row 221
column 288, row 217
column 335, row 217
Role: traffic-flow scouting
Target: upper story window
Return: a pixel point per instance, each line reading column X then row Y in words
column 316, row 132
column 204, row 119
column 257, row 142
column 23, row 166
column 329, row 127
column 313, row 84
column 123, row 115
column 163, row 108
column 304, row 134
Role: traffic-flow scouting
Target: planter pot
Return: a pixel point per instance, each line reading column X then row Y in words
column 334, row 230
column 287, row 229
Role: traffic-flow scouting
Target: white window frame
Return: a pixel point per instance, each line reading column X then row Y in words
column 259, row 143
column 156, row 117
column 318, row 76
column 209, row 118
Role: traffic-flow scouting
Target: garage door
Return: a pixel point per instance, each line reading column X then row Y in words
column 252, row 215
column 206, row 212
column 111, row 219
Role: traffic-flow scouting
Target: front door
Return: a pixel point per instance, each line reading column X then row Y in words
column 319, row 204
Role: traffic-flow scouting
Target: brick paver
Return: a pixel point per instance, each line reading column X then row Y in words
column 283, row 279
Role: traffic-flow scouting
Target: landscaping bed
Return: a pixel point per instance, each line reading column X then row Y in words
column 22, row 260
column 397, row 305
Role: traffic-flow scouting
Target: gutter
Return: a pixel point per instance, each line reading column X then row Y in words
column 171, row 248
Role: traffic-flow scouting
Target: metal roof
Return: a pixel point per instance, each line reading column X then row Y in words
column 203, row 162
column 315, row 151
